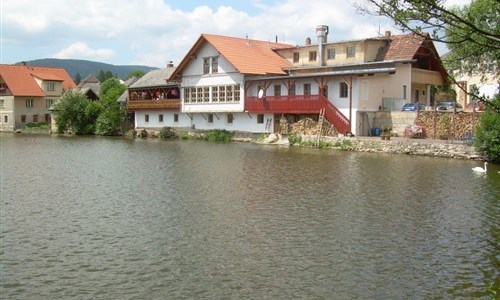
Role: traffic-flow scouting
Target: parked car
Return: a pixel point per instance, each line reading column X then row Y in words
column 413, row 107
column 479, row 106
column 449, row 106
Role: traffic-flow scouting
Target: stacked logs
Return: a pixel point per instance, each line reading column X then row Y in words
column 448, row 125
column 306, row 126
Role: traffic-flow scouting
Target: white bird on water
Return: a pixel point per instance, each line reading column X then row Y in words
column 481, row 170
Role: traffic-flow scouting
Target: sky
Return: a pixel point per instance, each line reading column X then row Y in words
column 154, row 32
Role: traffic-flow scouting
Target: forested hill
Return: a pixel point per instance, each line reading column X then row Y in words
column 87, row 67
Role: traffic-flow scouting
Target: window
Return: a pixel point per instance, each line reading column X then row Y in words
column 51, row 86
column 351, row 51
column 206, row 94
column 193, row 94
column 296, row 57
column 35, row 118
column 6, row 119
column 206, row 65
column 404, row 91
column 199, row 94
column 215, row 65
column 29, row 102
column 229, row 93
column 222, row 93
column 417, row 95
column 3, row 88
column 307, row 89
column 2, row 103
column 291, row 90
column 47, row 118
column 260, row 119
column 277, row 90
column 313, row 55
column 210, row 118
column 236, row 93
column 160, row 118
column 146, row 118
column 49, row 102
column 210, row 65
column 344, row 91
column 23, row 118
column 215, row 94
column 176, row 118
column 330, row 54
column 230, row 118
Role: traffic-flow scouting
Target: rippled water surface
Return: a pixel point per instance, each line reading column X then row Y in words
column 106, row 218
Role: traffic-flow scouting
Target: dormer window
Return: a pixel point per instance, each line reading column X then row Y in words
column 51, row 86
column 296, row 57
column 210, row 65
column 3, row 88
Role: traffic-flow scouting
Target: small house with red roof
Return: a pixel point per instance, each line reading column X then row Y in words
column 27, row 93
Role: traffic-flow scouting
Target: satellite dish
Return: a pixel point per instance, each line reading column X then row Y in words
column 260, row 94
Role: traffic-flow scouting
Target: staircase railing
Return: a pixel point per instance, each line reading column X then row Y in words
column 336, row 118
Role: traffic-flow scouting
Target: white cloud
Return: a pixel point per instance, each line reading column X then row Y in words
column 151, row 32
column 81, row 50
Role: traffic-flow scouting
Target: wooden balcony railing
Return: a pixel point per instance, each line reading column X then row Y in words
column 169, row 104
column 299, row 104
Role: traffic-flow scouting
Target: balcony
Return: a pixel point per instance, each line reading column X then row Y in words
column 285, row 104
column 162, row 104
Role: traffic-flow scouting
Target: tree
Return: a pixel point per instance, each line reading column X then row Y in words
column 77, row 113
column 78, row 78
column 135, row 73
column 101, row 76
column 113, row 114
column 487, row 134
column 471, row 32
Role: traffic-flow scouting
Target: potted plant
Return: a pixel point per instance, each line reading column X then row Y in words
column 386, row 133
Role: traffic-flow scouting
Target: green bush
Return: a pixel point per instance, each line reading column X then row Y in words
column 295, row 139
column 219, row 135
column 41, row 125
column 487, row 134
column 167, row 133
column 185, row 136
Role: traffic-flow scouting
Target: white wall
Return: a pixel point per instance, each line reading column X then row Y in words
column 241, row 121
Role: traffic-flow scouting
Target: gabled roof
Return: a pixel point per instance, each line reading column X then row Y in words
column 154, row 78
column 404, row 47
column 20, row 79
column 245, row 55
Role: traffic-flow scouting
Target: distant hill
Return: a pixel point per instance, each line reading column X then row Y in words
column 87, row 67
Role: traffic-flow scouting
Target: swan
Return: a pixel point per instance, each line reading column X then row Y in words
column 481, row 170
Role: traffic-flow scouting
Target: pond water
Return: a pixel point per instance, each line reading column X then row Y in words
column 112, row 218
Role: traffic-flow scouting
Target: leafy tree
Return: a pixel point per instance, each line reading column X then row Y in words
column 113, row 114
column 135, row 73
column 487, row 134
column 78, row 78
column 76, row 112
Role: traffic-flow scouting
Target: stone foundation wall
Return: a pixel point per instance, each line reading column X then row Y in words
column 404, row 146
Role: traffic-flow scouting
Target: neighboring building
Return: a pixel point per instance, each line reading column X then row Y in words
column 485, row 85
column 241, row 84
column 90, row 83
column 155, row 101
column 27, row 93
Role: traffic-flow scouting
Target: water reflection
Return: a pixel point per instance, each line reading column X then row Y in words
column 112, row 218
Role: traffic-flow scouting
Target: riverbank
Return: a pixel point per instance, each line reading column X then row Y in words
column 396, row 145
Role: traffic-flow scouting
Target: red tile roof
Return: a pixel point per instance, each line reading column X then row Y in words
column 20, row 79
column 404, row 46
column 245, row 55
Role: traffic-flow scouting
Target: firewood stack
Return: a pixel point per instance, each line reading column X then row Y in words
column 448, row 125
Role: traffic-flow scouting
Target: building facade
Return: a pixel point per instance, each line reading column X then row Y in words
column 27, row 93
